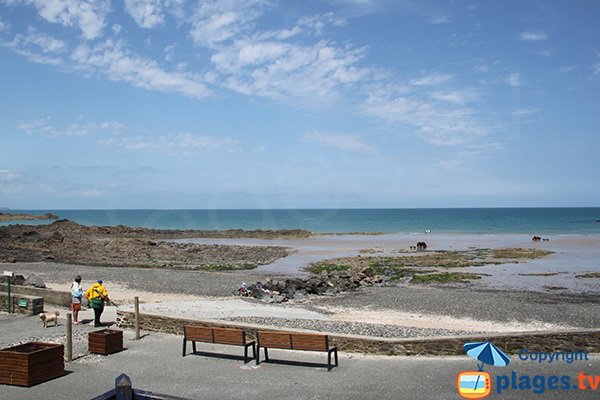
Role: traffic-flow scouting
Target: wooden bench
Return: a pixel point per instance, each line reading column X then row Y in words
column 295, row 341
column 235, row 337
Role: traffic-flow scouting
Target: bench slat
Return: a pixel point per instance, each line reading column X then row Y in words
column 309, row 342
column 275, row 340
column 198, row 333
column 229, row 336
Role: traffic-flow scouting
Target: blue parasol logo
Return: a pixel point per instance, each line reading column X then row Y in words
column 486, row 353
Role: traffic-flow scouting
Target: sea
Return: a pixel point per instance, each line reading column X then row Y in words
column 585, row 221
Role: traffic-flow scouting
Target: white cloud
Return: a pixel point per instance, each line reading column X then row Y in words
column 567, row 68
column 440, row 19
column 311, row 25
column 524, row 111
column 533, row 36
column 37, row 47
column 8, row 175
column 216, row 21
column 2, row 25
column 169, row 56
column 87, row 15
column 438, row 123
column 317, row 23
column 289, row 72
column 44, row 127
column 513, row 79
column 11, row 182
column 455, row 96
column 146, row 13
column 117, row 63
column 46, row 43
column 431, row 80
column 342, row 141
column 183, row 143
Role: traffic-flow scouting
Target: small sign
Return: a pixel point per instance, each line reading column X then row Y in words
column 22, row 303
column 8, row 273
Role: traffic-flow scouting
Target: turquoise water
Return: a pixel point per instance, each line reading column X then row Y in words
column 462, row 220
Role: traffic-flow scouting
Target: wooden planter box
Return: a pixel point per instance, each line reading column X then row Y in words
column 31, row 363
column 105, row 341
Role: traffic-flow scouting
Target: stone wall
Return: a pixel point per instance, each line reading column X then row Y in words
column 34, row 305
column 588, row 340
column 50, row 296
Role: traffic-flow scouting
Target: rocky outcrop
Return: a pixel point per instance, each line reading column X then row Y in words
column 25, row 217
column 70, row 228
column 323, row 284
column 67, row 242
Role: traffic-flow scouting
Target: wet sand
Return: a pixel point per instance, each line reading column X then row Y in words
column 573, row 255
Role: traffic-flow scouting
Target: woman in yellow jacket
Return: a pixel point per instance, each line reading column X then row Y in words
column 97, row 296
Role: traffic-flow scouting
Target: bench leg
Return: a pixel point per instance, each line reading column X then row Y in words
column 336, row 357
column 254, row 350
column 245, row 354
column 194, row 346
column 266, row 354
column 184, row 346
column 257, row 358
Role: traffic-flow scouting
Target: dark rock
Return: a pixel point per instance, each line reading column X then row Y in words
column 56, row 237
column 323, row 284
column 34, row 280
column 15, row 280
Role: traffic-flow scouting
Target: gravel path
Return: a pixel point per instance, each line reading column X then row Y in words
column 198, row 283
column 349, row 328
column 578, row 311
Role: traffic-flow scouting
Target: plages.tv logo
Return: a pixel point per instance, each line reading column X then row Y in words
column 477, row 384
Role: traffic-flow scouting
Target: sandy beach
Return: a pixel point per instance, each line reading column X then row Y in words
column 509, row 297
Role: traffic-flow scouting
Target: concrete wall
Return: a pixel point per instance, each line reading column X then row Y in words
column 50, row 296
column 35, row 305
column 588, row 340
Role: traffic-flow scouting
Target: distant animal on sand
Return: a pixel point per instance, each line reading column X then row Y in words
column 536, row 238
column 46, row 318
column 421, row 246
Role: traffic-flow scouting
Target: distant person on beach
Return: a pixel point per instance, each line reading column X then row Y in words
column 97, row 296
column 76, row 297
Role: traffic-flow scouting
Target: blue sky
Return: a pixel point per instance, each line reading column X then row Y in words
column 299, row 104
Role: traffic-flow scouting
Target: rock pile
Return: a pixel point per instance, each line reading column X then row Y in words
column 32, row 280
column 327, row 283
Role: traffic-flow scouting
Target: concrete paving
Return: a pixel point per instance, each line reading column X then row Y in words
column 155, row 363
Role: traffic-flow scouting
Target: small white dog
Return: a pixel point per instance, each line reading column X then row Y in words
column 49, row 318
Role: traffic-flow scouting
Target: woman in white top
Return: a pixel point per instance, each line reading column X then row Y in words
column 76, row 296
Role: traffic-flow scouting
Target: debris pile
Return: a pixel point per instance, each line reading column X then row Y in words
column 327, row 283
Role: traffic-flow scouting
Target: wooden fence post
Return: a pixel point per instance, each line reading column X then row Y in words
column 69, row 343
column 137, row 317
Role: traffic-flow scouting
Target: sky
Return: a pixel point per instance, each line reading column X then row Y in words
column 299, row 104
